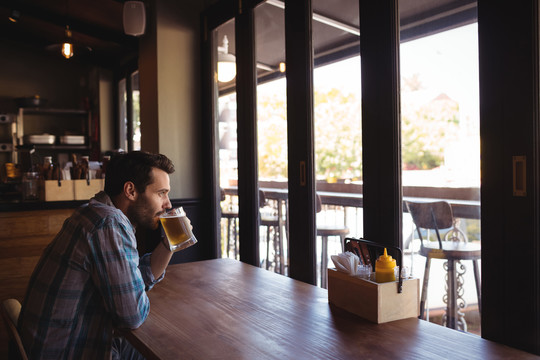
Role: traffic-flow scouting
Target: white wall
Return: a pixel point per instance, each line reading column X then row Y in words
column 106, row 110
column 170, row 94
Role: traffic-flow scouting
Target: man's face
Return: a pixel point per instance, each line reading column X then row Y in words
column 153, row 202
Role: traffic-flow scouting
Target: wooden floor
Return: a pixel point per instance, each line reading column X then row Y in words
column 472, row 317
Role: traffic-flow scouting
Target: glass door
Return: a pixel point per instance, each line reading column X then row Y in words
column 440, row 135
column 272, row 136
column 136, row 110
column 338, row 132
column 129, row 115
column 227, row 140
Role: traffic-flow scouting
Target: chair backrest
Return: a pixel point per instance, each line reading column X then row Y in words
column 318, row 203
column 431, row 215
column 222, row 196
column 262, row 199
column 10, row 312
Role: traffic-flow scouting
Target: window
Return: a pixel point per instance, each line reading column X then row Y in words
column 129, row 125
column 440, row 136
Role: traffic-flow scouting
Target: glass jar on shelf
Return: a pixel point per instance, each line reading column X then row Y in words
column 31, row 186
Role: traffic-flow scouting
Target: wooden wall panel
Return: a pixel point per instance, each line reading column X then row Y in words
column 23, row 237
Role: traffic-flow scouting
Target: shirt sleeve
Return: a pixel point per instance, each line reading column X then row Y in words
column 146, row 271
column 116, row 273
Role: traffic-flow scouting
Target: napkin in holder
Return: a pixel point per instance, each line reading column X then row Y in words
column 346, row 262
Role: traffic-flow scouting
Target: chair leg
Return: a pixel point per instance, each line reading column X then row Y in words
column 228, row 235
column 235, row 232
column 423, row 297
column 324, row 260
column 477, row 281
column 267, row 247
column 276, row 249
column 451, row 308
column 280, row 249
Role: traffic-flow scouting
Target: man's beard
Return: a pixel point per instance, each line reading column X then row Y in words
column 140, row 214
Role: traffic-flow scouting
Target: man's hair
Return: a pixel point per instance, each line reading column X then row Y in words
column 135, row 166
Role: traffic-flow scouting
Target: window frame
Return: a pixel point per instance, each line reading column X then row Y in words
column 124, row 134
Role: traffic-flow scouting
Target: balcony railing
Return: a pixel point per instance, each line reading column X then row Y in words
column 342, row 204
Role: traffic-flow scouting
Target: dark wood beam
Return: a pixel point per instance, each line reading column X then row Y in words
column 300, row 140
column 246, row 92
column 381, row 128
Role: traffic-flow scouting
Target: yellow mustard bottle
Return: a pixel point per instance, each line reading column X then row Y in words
column 384, row 268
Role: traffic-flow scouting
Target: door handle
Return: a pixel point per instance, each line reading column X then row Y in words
column 303, row 173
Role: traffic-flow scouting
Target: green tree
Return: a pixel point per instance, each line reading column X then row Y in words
column 426, row 133
column 272, row 129
column 338, row 135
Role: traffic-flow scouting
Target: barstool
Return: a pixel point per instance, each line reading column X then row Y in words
column 455, row 247
column 272, row 222
column 232, row 220
column 325, row 231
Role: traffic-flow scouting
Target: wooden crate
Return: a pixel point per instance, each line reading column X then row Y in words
column 55, row 191
column 85, row 190
column 378, row 303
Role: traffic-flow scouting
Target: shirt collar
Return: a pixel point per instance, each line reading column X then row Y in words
column 102, row 198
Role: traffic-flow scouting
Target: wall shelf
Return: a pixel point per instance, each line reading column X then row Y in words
column 53, row 121
column 58, row 122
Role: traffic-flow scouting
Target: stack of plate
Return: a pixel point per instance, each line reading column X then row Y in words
column 43, row 139
column 72, row 140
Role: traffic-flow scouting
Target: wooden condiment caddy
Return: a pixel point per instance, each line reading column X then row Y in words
column 376, row 302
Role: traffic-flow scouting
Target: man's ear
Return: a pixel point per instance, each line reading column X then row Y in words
column 130, row 191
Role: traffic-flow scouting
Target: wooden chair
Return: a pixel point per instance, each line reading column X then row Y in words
column 10, row 312
column 325, row 231
column 436, row 216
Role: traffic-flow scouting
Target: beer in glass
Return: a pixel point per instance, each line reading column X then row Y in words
column 178, row 229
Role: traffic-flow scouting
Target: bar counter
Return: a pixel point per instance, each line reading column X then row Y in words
column 226, row 309
column 26, row 229
column 6, row 206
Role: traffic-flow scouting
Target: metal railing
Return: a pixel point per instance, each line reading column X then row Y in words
column 342, row 204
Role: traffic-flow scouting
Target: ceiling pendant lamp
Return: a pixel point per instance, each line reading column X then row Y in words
column 67, row 46
column 226, row 66
column 14, row 16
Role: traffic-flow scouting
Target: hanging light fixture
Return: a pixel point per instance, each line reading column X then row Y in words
column 67, row 46
column 226, row 66
column 14, row 16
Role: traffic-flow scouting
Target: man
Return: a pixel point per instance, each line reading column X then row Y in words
column 90, row 279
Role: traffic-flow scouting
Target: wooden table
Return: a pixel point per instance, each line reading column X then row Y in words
column 225, row 309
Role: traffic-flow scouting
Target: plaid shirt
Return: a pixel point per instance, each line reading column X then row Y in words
column 87, row 282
